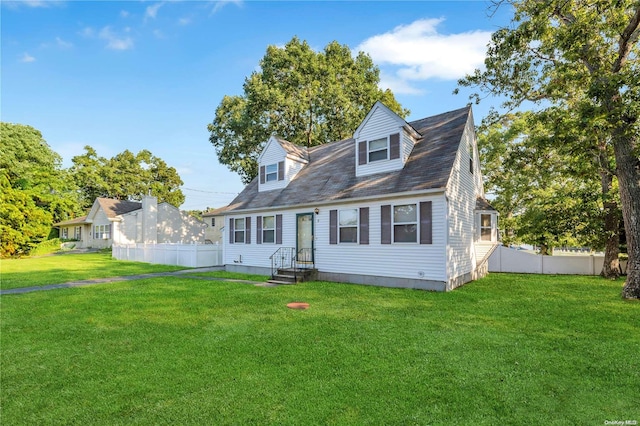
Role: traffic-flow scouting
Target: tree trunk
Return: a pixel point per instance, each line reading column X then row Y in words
column 611, row 265
column 628, row 171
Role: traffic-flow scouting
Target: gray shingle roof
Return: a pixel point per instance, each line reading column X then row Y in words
column 330, row 174
column 483, row 204
column 77, row 221
column 113, row 208
column 293, row 149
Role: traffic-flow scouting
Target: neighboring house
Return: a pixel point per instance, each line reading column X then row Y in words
column 77, row 230
column 120, row 221
column 215, row 225
column 400, row 204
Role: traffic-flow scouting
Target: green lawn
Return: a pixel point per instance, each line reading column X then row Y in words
column 39, row 271
column 508, row 349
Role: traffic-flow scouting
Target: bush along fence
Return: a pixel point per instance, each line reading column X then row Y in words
column 505, row 259
column 190, row 255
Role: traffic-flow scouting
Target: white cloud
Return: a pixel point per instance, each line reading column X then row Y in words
column 219, row 4
column 124, row 13
column 152, row 11
column 87, row 32
column 184, row 21
column 63, row 44
column 26, row 58
column 115, row 41
column 417, row 52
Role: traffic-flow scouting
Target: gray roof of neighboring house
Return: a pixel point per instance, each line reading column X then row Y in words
column 77, row 221
column 330, row 174
column 215, row 212
column 113, row 208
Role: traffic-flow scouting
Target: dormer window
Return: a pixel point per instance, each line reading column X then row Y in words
column 272, row 172
column 378, row 149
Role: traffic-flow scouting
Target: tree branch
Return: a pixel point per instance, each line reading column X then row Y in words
column 628, row 37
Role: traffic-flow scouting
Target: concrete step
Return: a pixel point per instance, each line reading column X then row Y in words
column 278, row 282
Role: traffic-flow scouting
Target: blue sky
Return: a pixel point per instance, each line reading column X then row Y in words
column 149, row 75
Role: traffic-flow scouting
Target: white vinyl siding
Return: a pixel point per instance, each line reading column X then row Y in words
column 413, row 261
column 381, row 124
column 271, row 159
column 461, row 193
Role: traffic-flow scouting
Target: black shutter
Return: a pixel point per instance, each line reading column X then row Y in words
column 394, row 149
column 333, row 226
column 231, row 233
column 281, row 170
column 385, row 224
column 261, row 174
column 278, row 229
column 364, row 225
column 259, row 230
column 247, row 230
column 426, row 233
column 362, row 152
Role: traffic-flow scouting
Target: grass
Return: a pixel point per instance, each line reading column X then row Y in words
column 39, row 271
column 510, row 349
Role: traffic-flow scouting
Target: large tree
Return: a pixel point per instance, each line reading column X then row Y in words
column 36, row 190
column 586, row 51
column 301, row 95
column 546, row 195
column 125, row 176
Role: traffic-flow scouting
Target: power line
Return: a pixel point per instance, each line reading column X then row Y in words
column 210, row 192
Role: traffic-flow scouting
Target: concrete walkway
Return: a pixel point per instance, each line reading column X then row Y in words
column 182, row 273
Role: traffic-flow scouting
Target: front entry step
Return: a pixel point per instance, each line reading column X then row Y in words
column 293, row 276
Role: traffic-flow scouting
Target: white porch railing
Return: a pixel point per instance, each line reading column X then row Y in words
column 190, row 255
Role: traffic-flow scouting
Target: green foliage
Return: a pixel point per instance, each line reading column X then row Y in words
column 125, row 176
column 581, row 56
column 306, row 97
column 546, row 195
column 36, row 191
column 508, row 349
column 46, row 247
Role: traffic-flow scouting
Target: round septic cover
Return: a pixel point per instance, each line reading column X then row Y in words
column 297, row 305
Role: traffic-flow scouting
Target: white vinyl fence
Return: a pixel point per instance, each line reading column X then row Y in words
column 505, row 259
column 190, row 255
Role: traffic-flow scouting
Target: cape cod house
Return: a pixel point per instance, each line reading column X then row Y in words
column 121, row 221
column 400, row 204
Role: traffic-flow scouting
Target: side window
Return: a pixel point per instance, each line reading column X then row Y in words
column 348, row 226
column 485, row 227
column 405, row 223
column 213, row 221
column 272, row 172
column 378, row 149
column 238, row 230
column 268, row 229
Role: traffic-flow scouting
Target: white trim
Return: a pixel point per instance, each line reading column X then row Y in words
column 379, row 105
